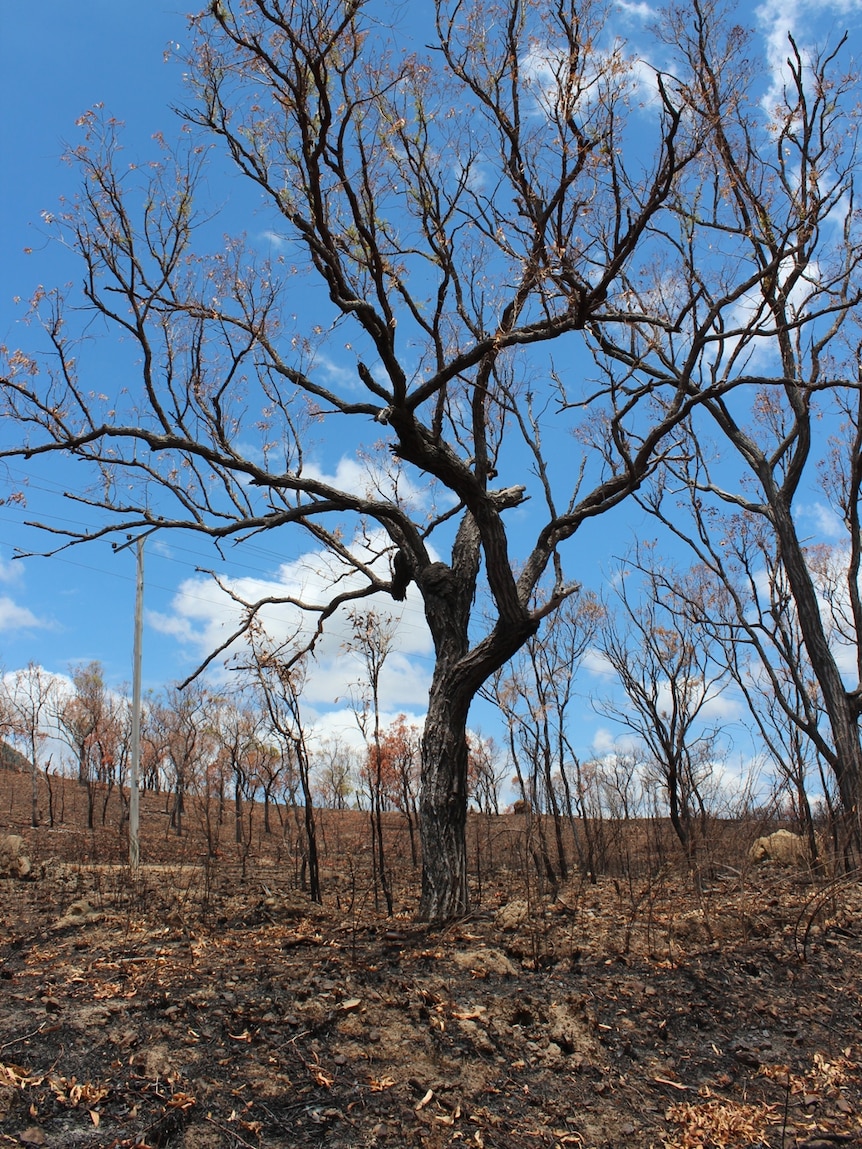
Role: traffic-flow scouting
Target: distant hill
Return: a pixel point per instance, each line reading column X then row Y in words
column 10, row 759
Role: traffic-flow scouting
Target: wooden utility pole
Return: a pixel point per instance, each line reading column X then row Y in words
column 137, row 658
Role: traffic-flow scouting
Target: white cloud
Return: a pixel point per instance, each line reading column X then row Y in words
column 595, row 663
column 606, row 742
column 340, row 725
column 350, row 474
column 825, row 521
column 846, row 661
column 735, row 779
column 777, row 18
column 640, row 11
column 722, row 707
column 334, row 374
column 202, row 617
column 719, row 705
column 749, row 323
column 545, row 68
column 24, row 687
column 372, row 480
column 275, row 239
column 15, row 617
column 10, row 572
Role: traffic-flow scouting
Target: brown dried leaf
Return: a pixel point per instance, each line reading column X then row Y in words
column 16, row 1077
column 181, row 1101
column 719, row 1124
column 321, row 1077
column 69, row 1091
column 449, row 1118
column 673, row 1084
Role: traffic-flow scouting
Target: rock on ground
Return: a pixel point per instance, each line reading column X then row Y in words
column 14, row 863
column 782, row 846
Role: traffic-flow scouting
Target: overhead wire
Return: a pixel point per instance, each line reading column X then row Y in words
column 235, row 566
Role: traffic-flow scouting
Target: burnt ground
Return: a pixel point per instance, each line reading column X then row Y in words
column 210, row 1004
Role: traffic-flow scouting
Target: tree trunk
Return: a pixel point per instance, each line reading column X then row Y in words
column 237, row 811
column 443, row 803
column 34, row 795
column 459, row 672
column 311, row 858
column 409, row 811
column 678, row 813
column 34, row 784
column 109, row 786
column 837, row 701
column 447, row 593
column 554, row 810
column 50, row 795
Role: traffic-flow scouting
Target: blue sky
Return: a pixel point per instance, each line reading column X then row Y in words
column 57, row 60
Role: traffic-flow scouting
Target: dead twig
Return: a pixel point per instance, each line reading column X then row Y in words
column 23, row 1037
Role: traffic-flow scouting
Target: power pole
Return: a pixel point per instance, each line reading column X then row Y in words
column 137, row 658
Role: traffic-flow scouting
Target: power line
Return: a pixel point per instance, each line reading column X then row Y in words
column 406, row 623
column 411, row 620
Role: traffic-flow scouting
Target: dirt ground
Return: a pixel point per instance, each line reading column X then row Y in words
column 210, row 1005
